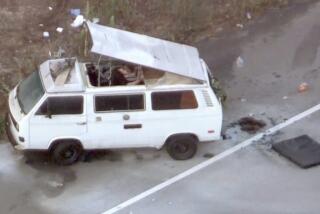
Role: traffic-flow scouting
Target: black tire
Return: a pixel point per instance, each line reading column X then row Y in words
column 182, row 147
column 66, row 152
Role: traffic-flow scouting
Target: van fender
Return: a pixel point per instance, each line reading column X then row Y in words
column 58, row 140
column 170, row 137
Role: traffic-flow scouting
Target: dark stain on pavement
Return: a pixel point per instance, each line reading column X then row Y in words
column 53, row 183
column 51, row 179
column 208, row 155
column 99, row 155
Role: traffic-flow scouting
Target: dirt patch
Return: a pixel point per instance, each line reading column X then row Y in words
column 208, row 155
column 251, row 125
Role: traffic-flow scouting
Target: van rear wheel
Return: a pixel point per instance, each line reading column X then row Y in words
column 182, row 147
column 66, row 153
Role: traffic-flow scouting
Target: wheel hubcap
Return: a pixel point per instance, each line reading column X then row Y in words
column 181, row 148
column 69, row 153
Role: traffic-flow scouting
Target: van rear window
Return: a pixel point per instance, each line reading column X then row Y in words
column 173, row 100
column 119, row 103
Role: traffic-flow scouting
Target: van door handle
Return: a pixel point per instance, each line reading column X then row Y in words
column 81, row 123
column 132, row 126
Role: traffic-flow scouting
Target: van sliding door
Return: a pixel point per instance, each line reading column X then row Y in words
column 117, row 121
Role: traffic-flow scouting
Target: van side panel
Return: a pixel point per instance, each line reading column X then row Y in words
column 204, row 122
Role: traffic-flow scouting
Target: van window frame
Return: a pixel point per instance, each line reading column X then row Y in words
column 181, row 109
column 117, row 95
column 57, row 115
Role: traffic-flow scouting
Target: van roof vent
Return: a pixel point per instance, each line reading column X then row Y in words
column 207, row 98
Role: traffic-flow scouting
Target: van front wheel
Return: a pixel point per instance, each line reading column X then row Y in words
column 182, row 147
column 66, row 153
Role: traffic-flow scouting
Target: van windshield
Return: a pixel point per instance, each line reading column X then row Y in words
column 30, row 92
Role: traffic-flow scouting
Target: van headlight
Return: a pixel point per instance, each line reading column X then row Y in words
column 16, row 125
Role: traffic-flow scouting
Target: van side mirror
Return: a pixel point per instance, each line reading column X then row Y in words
column 49, row 115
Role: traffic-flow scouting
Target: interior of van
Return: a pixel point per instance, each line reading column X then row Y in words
column 117, row 73
column 110, row 73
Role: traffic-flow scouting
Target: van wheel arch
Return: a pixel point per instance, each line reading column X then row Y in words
column 66, row 151
column 182, row 146
column 172, row 137
column 54, row 143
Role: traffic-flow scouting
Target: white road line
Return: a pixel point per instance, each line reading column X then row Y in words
column 212, row 160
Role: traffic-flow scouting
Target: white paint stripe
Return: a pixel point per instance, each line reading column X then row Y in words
column 212, row 160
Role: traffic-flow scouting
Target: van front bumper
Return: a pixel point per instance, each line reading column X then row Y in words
column 10, row 136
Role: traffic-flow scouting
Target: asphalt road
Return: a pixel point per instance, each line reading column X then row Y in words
column 280, row 52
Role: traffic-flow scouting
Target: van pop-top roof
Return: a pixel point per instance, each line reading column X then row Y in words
column 180, row 63
column 146, row 51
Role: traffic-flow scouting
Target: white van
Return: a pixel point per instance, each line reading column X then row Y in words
column 148, row 93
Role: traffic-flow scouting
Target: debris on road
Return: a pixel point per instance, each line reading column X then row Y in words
column 55, row 184
column 243, row 100
column 75, row 12
column 303, row 87
column 240, row 26
column 50, row 8
column 59, row 29
column 95, row 20
column 249, row 16
column 251, row 125
column 208, row 155
column 285, row 97
column 78, row 21
column 303, row 151
column 46, row 34
column 240, row 62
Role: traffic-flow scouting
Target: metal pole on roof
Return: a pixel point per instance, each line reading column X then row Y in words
column 110, row 72
column 99, row 72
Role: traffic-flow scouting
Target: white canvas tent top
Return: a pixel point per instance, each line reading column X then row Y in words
column 146, row 51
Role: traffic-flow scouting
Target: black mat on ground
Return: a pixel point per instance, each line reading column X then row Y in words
column 303, row 151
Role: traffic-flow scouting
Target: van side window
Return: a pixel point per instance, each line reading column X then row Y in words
column 119, row 103
column 62, row 106
column 173, row 100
